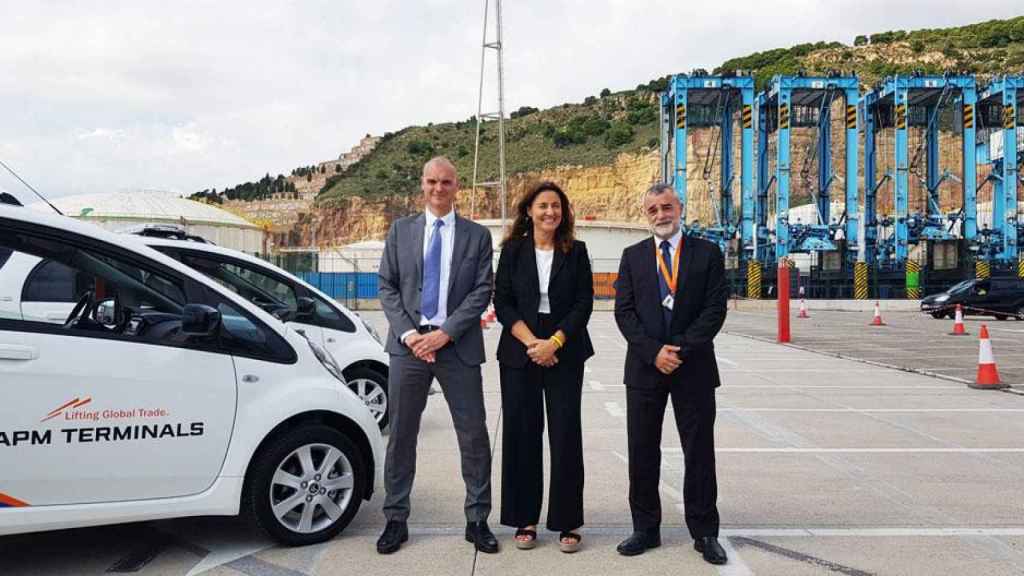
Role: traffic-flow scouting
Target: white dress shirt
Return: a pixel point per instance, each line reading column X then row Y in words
column 447, row 247
column 544, row 260
column 674, row 241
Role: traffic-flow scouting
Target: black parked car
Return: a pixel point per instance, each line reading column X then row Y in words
column 999, row 297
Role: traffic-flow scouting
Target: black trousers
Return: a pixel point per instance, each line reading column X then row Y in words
column 695, row 420
column 525, row 393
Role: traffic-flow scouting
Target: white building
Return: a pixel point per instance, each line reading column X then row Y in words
column 121, row 210
column 358, row 257
column 605, row 240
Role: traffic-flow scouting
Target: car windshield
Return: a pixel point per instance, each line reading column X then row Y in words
column 961, row 287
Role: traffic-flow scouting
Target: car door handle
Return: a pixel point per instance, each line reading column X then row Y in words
column 250, row 378
column 330, row 340
column 12, row 352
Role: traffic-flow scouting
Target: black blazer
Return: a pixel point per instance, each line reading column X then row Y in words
column 517, row 296
column 699, row 312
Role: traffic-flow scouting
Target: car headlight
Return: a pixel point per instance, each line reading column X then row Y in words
column 327, row 359
column 941, row 298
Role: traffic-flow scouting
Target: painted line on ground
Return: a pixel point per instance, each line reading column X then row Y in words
column 736, row 566
column 614, row 409
column 800, row 370
column 666, row 488
column 792, row 450
column 875, row 410
column 878, row 532
column 726, row 360
column 625, row 528
column 856, row 359
column 728, row 387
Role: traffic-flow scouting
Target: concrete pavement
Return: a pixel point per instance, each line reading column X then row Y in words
column 825, row 465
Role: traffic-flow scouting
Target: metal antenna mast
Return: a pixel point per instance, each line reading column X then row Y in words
column 499, row 115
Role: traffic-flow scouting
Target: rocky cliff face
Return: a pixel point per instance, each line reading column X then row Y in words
column 613, row 192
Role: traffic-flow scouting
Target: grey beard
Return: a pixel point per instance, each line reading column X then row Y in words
column 666, row 231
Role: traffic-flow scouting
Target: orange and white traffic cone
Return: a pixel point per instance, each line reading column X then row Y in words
column 958, row 323
column 803, row 310
column 877, row 320
column 988, row 374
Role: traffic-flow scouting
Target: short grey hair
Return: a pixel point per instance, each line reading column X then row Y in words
column 659, row 189
column 440, row 161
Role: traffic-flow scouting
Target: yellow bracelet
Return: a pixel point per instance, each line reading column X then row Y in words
column 558, row 341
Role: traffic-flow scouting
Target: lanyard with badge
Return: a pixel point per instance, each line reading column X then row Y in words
column 670, row 280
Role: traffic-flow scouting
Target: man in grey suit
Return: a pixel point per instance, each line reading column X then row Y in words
column 435, row 282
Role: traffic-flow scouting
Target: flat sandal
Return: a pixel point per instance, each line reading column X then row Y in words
column 526, row 544
column 569, row 541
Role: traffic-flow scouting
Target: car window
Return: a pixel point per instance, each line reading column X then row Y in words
column 257, row 287
column 242, row 334
column 5, row 254
column 961, row 286
column 329, row 317
column 126, row 296
column 1006, row 285
column 69, row 272
column 280, row 291
column 51, row 281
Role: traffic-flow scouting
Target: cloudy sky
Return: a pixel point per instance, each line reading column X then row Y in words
column 105, row 96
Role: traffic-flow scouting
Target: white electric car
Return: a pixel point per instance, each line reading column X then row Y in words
column 164, row 394
column 353, row 342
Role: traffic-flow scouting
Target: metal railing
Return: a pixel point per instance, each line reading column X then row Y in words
column 353, row 281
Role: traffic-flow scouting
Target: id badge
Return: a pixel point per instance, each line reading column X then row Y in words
column 668, row 302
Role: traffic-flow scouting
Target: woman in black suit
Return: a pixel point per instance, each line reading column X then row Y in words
column 544, row 294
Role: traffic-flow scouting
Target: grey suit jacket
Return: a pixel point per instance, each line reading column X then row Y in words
column 470, row 282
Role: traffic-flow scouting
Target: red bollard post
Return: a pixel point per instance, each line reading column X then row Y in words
column 783, row 302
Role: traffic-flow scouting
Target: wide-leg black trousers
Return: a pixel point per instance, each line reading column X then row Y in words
column 527, row 394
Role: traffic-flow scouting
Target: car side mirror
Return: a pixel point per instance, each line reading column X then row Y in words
column 306, row 309
column 200, row 320
column 106, row 312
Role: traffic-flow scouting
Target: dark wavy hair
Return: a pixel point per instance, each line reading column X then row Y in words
column 522, row 226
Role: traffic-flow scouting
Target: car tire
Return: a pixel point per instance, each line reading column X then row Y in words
column 372, row 388
column 288, row 491
column 938, row 315
column 1001, row 317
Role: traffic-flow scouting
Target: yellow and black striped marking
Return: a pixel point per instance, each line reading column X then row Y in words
column 913, row 280
column 1020, row 267
column 680, row 116
column 748, row 116
column 901, row 116
column 982, row 269
column 851, row 117
column 860, row 280
column 784, row 116
column 754, row 279
column 1009, row 118
column 968, row 115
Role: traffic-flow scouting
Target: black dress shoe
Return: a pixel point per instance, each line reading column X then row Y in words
column 394, row 534
column 481, row 536
column 712, row 551
column 639, row 542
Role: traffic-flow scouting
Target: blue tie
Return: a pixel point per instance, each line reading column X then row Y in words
column 666, row 256
column 432, row 272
